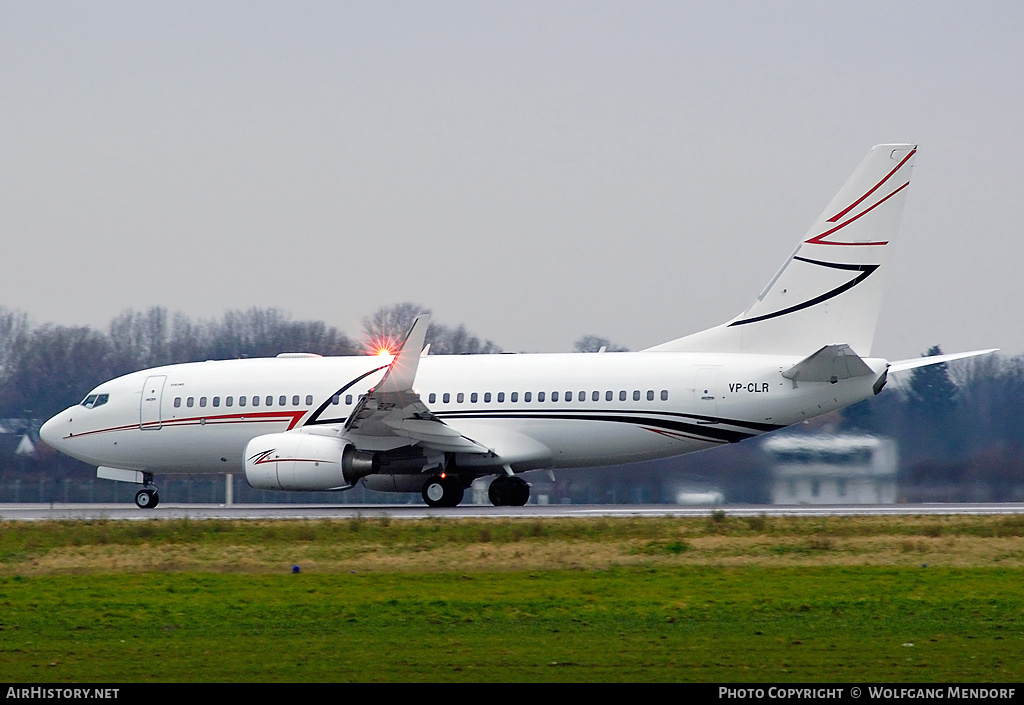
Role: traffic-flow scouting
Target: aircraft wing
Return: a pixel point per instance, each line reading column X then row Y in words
column 392, row 414
column 900, row 365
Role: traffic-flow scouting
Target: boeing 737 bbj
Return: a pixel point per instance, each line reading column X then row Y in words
column 433, row 424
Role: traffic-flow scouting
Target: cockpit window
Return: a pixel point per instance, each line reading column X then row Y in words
column 94, row 400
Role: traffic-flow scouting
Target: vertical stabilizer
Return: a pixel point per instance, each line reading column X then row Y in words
column 829, row 291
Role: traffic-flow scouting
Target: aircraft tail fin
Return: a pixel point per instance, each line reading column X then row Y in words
column 829, row 291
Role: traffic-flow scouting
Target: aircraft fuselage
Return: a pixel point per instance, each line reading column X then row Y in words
column 534, row 411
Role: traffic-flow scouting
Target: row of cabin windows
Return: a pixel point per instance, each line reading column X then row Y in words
column 243, row 401
column 513, row 397
column 446, row 398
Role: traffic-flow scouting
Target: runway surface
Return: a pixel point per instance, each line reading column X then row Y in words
column 82, row 512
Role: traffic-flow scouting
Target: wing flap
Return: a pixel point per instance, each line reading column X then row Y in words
column 436, row 434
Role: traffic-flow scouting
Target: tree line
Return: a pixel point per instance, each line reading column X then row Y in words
column 959, row 426
column 47, row 368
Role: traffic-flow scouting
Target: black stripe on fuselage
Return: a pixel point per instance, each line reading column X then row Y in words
column 314, row 418
column 636, row 418
column 698, row 418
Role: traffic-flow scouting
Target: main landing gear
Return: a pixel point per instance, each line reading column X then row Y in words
column 447, row 490
column 443, row 491
column 508, row 491
column 148, row 497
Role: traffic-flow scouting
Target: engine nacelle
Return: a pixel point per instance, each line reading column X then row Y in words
column 304, row 461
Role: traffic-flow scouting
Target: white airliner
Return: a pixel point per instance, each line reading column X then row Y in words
column 433, row 424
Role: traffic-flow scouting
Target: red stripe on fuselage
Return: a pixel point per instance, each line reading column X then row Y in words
column 675, row 435
column 293, row 417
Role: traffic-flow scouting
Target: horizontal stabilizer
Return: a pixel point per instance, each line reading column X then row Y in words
column 830, row 364
column 901, row 365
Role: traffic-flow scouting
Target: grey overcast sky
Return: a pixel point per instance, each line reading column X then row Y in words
column 535, row 170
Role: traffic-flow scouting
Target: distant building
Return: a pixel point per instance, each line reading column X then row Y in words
column 26, row 448
column 832, row 469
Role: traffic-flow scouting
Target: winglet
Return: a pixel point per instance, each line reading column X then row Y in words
column 402, row 371
column 396, row 386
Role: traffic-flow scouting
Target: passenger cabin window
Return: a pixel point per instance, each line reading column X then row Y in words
column 608, row 396
column 474, row 397
column 540, row 396
column 447, row 397
column 460, row 397
column 650, row 395
column 255, row 401
column 554, row 396
column 336, row 399
column 487, row 397
column 433, row 397
column 568, row 396
column 664, row 395
column 216, row 401
column 514, row 397
column 295, row 400
column 283, row 400
column 229, row 401
column 636, row 395
column 269, row 400
column 501, row 397
column 348, row 400
column 242, row 401
column 190, row 402
column 596, row 396
column 177, row 402
column 202, row 401
column 309, row 400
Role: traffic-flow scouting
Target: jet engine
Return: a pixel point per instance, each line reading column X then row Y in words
column 305, row 461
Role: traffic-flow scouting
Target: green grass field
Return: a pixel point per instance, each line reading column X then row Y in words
column 853, row 600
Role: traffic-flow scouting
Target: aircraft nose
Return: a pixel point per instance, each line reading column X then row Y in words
column 50, row 431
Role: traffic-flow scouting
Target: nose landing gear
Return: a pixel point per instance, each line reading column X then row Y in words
column 148, row 497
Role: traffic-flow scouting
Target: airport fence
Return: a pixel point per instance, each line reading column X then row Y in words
column 212, row 489
column 194, row 489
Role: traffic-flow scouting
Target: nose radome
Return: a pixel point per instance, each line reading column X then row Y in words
column 50, row 431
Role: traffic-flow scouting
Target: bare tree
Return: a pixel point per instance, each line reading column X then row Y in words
column 594, row 343
column 386, row 326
